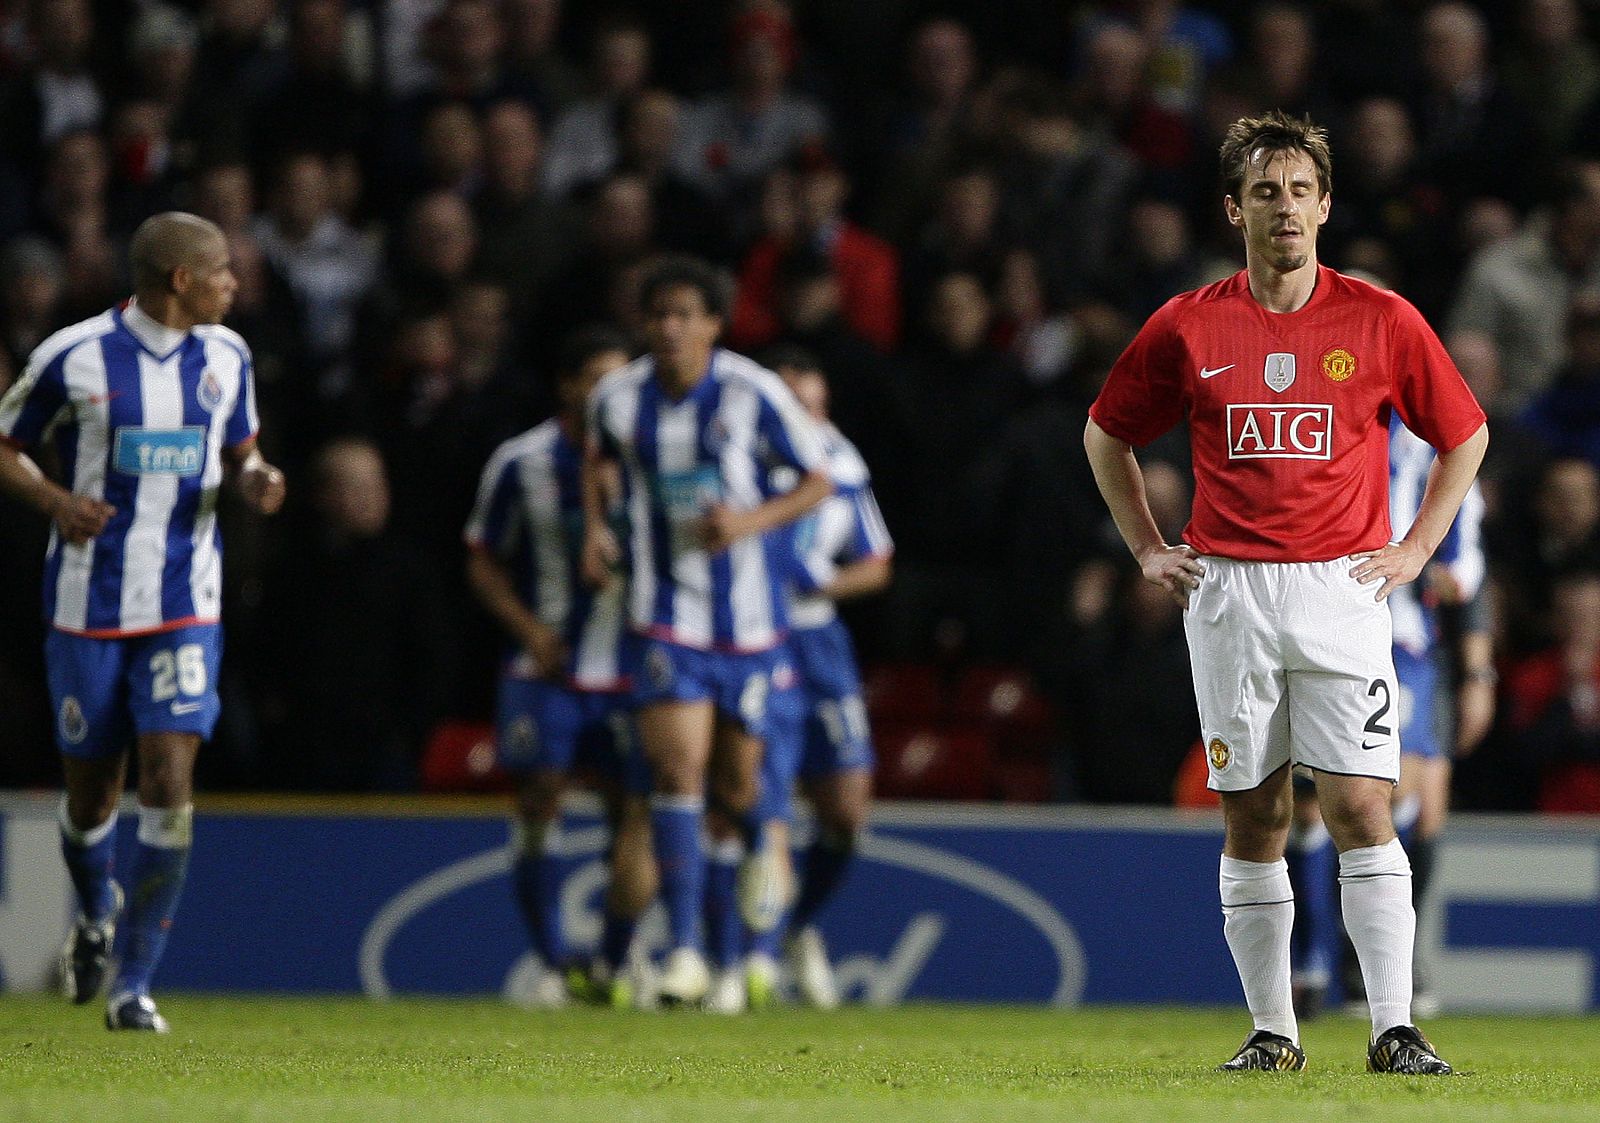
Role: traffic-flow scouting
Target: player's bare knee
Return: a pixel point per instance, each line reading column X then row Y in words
column 679, row 777
column 735, row 789
column 1357, row 819
column 87, row 810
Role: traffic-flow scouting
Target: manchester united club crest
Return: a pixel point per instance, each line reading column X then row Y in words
column 1279, row 371
column 1219, row 753
column 1339, row 365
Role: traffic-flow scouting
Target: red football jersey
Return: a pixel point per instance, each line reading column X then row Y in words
column 1288, row 412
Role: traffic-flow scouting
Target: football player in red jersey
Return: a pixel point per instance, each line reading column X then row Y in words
column 1287, row 373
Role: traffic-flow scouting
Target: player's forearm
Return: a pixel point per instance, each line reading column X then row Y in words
column 591, row 478
column 22, row 478
column 781, row 510
column 860, row 578
column 492, row 584
column 1121, row 484
column 1452, row 474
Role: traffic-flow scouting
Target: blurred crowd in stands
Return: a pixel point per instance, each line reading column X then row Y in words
column 963, row 209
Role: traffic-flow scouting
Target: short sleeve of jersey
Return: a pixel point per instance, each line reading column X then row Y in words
column 870, row 534
column 1429, row 392
column 809, row 571
column 1143, row 396
column 31, row 405
column 244, row 422
column 788, row 434
column 493, row 522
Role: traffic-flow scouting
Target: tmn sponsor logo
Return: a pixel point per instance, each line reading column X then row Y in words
column 1278, row 432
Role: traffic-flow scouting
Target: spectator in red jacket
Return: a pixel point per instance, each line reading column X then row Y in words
column 803, row 209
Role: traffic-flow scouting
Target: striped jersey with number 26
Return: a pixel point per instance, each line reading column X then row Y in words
column 140, row 414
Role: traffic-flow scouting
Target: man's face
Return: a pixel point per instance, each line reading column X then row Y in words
column 206, row 285
column 680, row 328
column 575, row 391
column 1280, row 209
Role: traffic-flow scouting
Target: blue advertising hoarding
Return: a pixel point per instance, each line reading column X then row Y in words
column 951, row 903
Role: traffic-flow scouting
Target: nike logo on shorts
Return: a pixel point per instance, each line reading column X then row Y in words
column 1212, row 372
column 181, row 708
column 1369, row 748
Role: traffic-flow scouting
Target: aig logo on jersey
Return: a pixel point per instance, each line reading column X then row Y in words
column 1274, row 432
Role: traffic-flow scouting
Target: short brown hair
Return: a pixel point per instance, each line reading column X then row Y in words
column 1276, row 132
column 164, row 242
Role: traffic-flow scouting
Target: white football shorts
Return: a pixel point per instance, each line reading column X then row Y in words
column 1292, row 662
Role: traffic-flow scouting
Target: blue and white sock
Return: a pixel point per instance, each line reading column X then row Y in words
column 724, row 929
column 91, row 856
column 537, row 870
column 160, row 863
column 675, row 825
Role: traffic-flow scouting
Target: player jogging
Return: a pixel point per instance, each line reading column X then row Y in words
column 839, row 551
column 697, row 430
column 152, row 406
column 563, row 698
column 1287, row 374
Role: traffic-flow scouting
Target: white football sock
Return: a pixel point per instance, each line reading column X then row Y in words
column 1258, row 916
column 1375, row 892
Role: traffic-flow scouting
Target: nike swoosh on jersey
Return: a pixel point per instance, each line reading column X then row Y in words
column 1209, row 372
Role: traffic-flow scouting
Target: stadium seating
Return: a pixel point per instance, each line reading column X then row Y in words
column 459, row 757
column 973, row 733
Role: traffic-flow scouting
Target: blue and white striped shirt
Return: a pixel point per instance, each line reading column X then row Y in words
column 529, row 513
column 1461, row 551
column 717, row 444
column 845, row 527
column 140, row 413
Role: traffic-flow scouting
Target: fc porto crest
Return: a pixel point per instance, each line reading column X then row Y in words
column 658, row 667
column 209, row 392
column 74, row 726
column 1339, row 365
column 1279, row 371
column 715, row 437
column 521, row 736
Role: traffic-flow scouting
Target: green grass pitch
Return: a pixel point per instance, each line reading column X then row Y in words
column 416, row 1061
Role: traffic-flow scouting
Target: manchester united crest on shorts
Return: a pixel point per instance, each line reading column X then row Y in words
column 1218, row 753
column 1339, row 364
column 1279, row 371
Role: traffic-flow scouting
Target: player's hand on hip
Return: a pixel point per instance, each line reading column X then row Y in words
column 1177, row 569
column 80, row 517
column 1396, row 564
